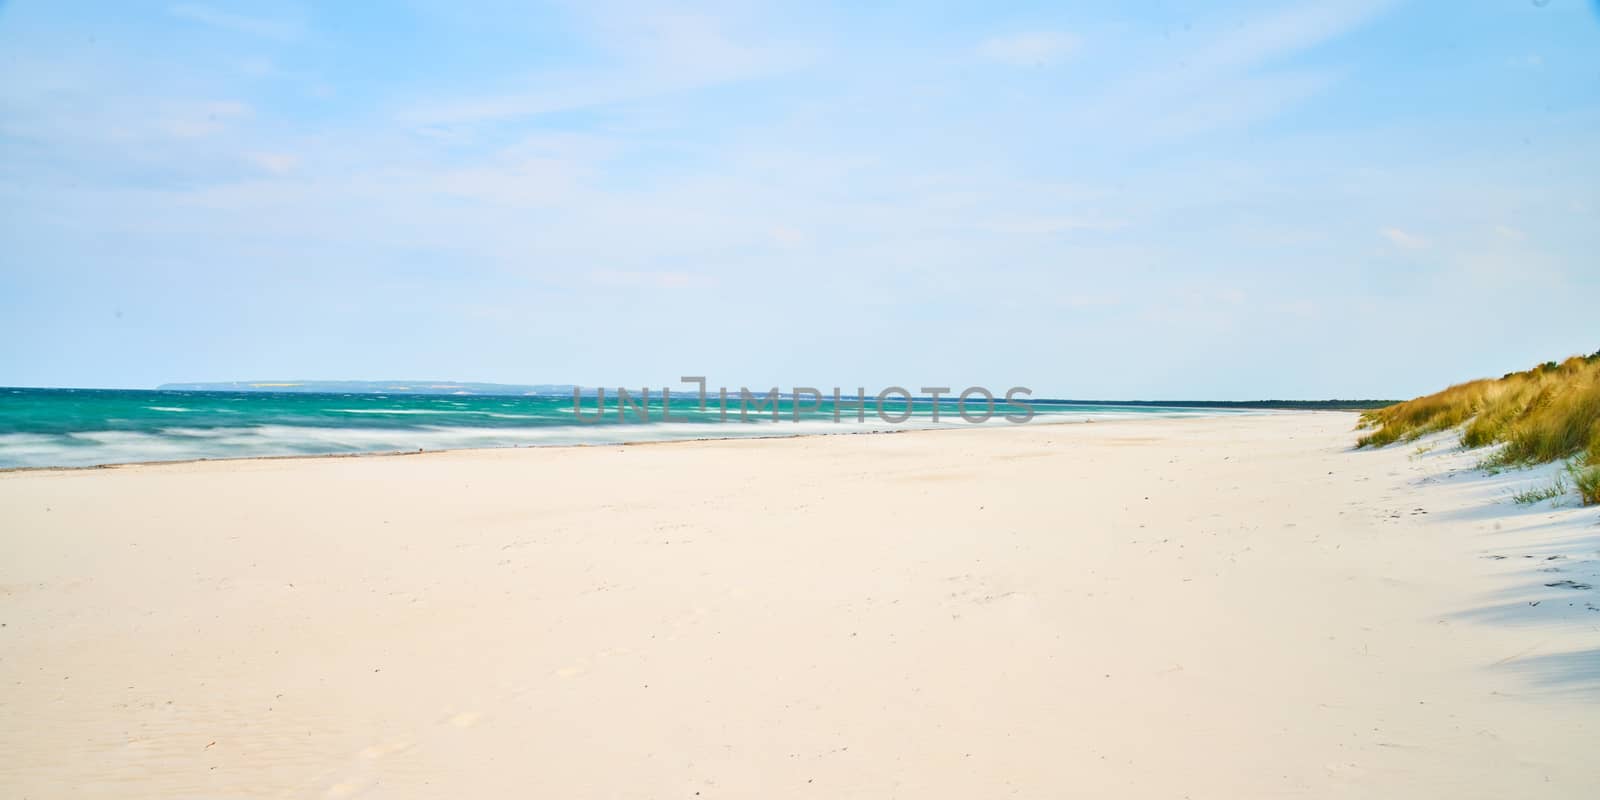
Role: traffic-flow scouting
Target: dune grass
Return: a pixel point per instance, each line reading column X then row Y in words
column 1544, row 414
column 1531, row 496
column 1586, row 477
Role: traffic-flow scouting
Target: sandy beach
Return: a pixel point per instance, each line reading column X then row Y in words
column 1236, row 606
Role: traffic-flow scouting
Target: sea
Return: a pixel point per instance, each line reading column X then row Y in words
column 92, row 427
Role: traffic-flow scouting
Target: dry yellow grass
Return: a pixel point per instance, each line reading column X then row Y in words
column 1540, row 415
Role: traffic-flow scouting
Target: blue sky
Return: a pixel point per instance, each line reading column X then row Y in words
column 1112, row 200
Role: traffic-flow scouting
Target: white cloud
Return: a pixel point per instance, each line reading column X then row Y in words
column 1055, row 225
column 1031, row 49
column 238, row 23
column 1231, row 79
column 1285, row 33
column 882, row 180
column 639, row 279
column 258, row 67
column 1082, row 301
column 647, row 56
column 275, row 163
column 1407, row 240
column 787, row 236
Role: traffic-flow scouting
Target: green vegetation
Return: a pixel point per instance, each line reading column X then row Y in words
column 1544, row 414
column 1532, row 496
column 1587, row 478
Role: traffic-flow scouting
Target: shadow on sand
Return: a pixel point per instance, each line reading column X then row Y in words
column 1551, row 547
column 1577, row 672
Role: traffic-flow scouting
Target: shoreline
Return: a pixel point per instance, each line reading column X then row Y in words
column 627, row 443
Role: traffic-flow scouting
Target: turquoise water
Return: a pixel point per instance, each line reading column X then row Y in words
column 84, row 427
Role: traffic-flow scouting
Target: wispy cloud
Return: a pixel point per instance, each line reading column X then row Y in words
column 1055, row 225
column 1284, row 33
column 719, row 157
column 647, row 56
column 206, row 119
column 1231, row 76
column 275, row 163
column 1030, row 49
column 787, row 236
column 636, row 279
column 1405, row 239
column 238, row 23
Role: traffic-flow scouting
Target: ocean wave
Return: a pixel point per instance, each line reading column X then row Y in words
column 443, row 412
column 303, row 427
column 90, row 448
column 394, row 411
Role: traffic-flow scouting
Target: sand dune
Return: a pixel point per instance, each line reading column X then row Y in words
column 1222, row 607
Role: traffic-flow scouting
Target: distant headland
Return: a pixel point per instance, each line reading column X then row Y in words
column 565, row 390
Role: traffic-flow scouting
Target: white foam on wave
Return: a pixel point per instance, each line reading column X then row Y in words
column 88, row 448
column 443, row 412
column 387, row 411
column 25, row 439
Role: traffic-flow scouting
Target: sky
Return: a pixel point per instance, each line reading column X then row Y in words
column 1299, row 200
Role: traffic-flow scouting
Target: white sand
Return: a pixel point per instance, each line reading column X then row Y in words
column 1226, row 607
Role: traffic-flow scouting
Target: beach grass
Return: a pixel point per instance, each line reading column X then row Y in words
column 1537, row 416
column 1531, row 496
column 1586, row 477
